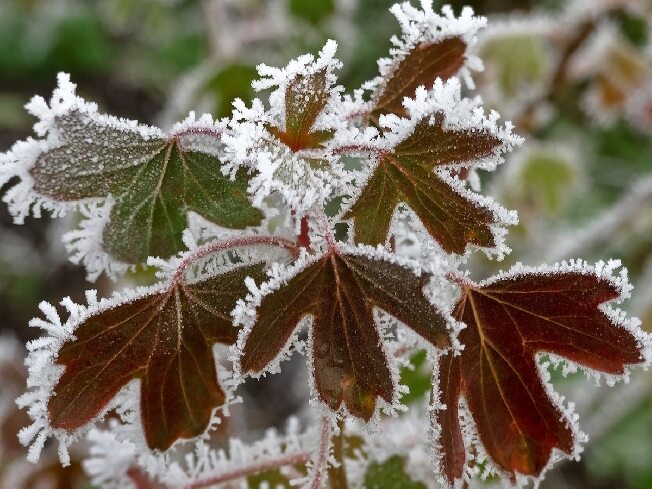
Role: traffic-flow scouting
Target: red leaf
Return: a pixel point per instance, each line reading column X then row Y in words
column 305, row 98
column 340, row 291
column 508, row 322
column 164, row 339
column 405, row 175
column 420, row 67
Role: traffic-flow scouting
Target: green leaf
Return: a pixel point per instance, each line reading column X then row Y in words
column 390, row 474
column 163, row 338
column 154, row 182
column 519, row 61
column 340, row 291
column 405, row 175
column 418, row 378
column 270, row 478
column 231, row 82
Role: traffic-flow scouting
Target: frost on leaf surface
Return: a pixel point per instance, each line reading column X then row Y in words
column 340, row 292
column 152, row 180
column 431, row 46
column 509, row 320
column 287, row 143
column 164, row 338
column 443, row 131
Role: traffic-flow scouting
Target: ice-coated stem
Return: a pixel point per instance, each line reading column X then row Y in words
column 215, row 246
column 337, row 475
column 320, row 467
column 294, row 459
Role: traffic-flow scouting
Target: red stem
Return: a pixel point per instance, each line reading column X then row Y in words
column 215, row 246
column 321, row 464
column 325, row 226
column 358, row 148
column 298, row 458
column 196, row 130
column 142, row 481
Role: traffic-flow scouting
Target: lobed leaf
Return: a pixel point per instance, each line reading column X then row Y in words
column 509, row 321
column 390, row 474
column 340, row 292
column 164, row 339
column 153, row 182
column 420, row 67
column 405, row 175
column 306, row 96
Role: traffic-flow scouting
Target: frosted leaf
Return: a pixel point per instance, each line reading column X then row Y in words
column 146, row 181
column 519, row 58
column 287, row 144
column 431, row 46
column 620, row 76
column 133, row 336
column 341, row 292
column 563, row 310
column 413, row 164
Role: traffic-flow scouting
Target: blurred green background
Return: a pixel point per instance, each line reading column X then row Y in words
column 154, row 60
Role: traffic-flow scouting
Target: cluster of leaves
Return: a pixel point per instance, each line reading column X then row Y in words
column 400, row 155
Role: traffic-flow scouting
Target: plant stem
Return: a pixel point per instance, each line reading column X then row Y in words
column 142, row 481
column 337, row 475
column 215, row 246
column 321, row 463
column 294, row 459
column 206, row 131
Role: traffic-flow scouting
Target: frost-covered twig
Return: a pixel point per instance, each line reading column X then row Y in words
column 638, row 199
column 337, row 473
column 292, row 459
column 559, row 74
column 240, row 241
column 141, row 480
column 320, row 467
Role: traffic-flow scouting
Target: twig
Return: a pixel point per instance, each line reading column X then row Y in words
column 321, row 463
column 216, row 246
column 637, row 200
column 294, row 459
column 337, row 475
column 560, row 74
column 142, row 481
column 358, row 149
column 325, row 228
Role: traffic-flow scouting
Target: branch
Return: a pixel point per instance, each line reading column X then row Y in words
column 189, row 131
column 337, row 475
column 294, row 459
column 325, row 227
column 215, row 246
column 636, row 200
column 356, row 149
column 558, row 78
column 143, row 481
column 321, row 463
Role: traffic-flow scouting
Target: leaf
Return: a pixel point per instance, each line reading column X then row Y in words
column 420, row 67
column 340, row 291
column 269, row 478
column 315, row 11
column 306, row 96
column 154, row 182
column 417, row 377
column 164, row 339
column 509, row 320
column 390, row 474
column 405, row 175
